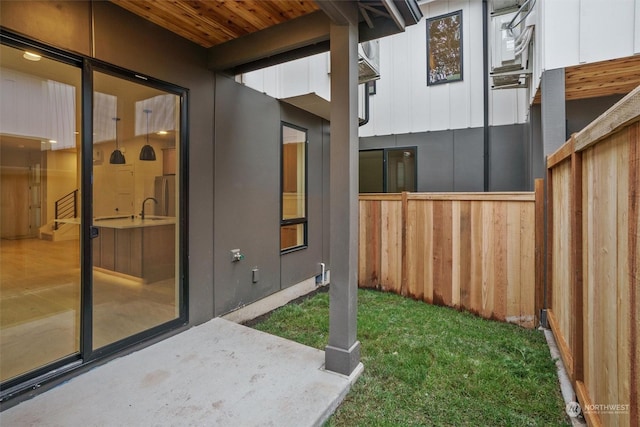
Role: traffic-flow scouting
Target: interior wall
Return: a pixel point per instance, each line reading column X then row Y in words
column 452, row 160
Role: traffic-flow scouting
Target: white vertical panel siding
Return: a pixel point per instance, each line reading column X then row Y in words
column 636, row 23
column 254, row 80
column 606, row 29
column 381, row 104
column 401, row 84
column 561, row 35
column 294, row 78
column 583, row 31
column 419, row 105
column 473, row 63
column 319, row 75
column 404, row 103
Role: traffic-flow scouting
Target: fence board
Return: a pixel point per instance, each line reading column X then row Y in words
column 539, row 226
column 461, row 250
column 560, row 264
column 500, row 248
column 391, row 241
column 465, row 254
column 600, row 295
column 428, row 277
column 477, row 230
column 526, row 282
column 455, row 253
column 634, row 272
column 513, row 265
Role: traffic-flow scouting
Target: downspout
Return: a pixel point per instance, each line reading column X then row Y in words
column 366, row 106
column 485, row 64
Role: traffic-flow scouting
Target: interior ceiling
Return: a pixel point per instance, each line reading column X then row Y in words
column 212, row 22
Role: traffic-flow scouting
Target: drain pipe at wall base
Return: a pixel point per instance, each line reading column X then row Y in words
column 323, row 279
column 366, row 106
column 485, row 73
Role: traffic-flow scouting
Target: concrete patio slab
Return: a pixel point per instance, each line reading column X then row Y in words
column 216, row 374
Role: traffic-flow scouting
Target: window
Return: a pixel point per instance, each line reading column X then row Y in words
column 444, row 48
column 388, row 170
column 293, row 220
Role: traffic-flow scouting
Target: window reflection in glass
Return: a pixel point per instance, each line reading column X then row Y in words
column 40, row 211
column 135, row 208
column 294, row 191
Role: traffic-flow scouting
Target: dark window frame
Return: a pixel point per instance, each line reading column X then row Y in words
column 301, row 220
column 87, row 356
column 430, row 50
column 385, row 162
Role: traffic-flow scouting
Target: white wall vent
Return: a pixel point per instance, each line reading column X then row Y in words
column 368, row 61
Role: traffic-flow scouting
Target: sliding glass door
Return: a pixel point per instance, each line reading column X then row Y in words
column 40, row 211
column 90, row 223
column 135, row 208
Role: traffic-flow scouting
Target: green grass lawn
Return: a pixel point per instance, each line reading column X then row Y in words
column 428, row 365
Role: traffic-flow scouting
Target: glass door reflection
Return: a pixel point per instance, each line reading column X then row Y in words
column 40, row 211
column 135, row 208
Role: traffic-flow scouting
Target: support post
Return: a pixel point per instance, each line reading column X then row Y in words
column 554, row 128
column 342, row 354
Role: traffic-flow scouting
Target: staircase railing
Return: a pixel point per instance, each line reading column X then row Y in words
column 66, row 207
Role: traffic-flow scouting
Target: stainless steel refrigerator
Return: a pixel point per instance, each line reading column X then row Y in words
column 165, row 194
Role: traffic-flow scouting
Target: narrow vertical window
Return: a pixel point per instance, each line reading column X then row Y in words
column 293, row 221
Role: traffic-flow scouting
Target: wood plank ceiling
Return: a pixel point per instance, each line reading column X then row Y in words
column 613, row 77
column 212, row 22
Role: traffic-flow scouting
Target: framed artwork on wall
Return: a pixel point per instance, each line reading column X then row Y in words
column 444, row 48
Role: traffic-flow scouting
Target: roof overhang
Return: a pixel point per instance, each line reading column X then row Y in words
column 309, row 34
column 311, row 102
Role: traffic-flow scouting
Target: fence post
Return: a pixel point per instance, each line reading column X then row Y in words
column 634, row 270
column 548, row 288
column 539, row 249
column 403, row 253
column 577, row 302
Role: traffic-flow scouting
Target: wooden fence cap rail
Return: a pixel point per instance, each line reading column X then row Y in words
column 621, row 114
column 478, row 196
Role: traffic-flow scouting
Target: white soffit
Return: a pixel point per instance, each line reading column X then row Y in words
column 312, row 103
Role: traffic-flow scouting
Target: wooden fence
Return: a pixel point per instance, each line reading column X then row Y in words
column 593, row 197
column 472, row 251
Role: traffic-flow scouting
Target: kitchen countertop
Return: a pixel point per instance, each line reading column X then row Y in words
column 122, row 222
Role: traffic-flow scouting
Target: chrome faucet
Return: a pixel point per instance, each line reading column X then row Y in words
column 145, row 201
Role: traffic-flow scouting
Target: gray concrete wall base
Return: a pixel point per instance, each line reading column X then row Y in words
column 566, row 389
column 272, row 302
column 342, row 361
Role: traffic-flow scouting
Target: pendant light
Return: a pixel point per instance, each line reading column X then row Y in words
column 117, row 158
column 147, row 152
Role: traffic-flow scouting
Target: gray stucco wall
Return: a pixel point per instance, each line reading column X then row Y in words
column 583, row 111
column 247, row 188
column 452, row 160
column 247, row 195
column 579, row 113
